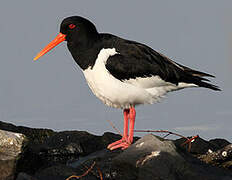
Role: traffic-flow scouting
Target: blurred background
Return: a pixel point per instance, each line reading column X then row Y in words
column 52, row 92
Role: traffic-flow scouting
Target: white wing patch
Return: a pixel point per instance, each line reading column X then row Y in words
column 156, row 86
column 148, row 82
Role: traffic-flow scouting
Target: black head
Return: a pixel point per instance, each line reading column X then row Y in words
column 81, row 35
column 78, row 30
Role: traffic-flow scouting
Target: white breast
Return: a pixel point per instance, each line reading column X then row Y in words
column 123, row 94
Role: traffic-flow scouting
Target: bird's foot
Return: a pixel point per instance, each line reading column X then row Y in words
column 122, row 143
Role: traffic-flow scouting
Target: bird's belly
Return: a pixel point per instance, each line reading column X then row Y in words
column 114, row 92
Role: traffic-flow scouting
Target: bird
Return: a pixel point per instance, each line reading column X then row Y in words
column 123, row 73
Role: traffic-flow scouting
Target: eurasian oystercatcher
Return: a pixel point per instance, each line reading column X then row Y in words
column 123, row 73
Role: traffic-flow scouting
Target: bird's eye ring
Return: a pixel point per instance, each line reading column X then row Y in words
column 71, row 26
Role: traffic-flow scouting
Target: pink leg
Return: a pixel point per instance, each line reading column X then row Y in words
column 126, row 140
column 132, row 124
column 125, row 131
column 125, row 127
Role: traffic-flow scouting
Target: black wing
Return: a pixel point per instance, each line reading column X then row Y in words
column 138, row 60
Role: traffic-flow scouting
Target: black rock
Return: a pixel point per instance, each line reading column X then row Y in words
column 24, row 176
column 58, row 172
column 200, row 146
column 219, row 143
column 154, row 158
column 35, row 135
column 70, row 145
column 58, row 155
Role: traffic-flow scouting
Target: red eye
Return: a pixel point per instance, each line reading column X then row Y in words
column 71, row 26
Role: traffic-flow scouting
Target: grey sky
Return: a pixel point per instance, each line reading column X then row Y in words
column 52, row 92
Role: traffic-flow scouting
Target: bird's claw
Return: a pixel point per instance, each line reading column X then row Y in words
column 122, row 143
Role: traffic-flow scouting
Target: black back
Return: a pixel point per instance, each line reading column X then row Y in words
column 133, row 59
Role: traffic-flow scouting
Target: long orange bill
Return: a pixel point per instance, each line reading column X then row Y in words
column 59, row 38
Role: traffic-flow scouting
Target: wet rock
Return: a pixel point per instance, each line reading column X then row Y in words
column 68, row 146
column 154, row 158
column 30, row 160
column 35, row 135
column 103, row 163
column 150, row 158
column 219, row 143
column 58, row 155
column 146, row 156
column 24, row 176
column 47, row 148
column 199, row 146
column 222, row 157
column 11, row 146
column 58, row 172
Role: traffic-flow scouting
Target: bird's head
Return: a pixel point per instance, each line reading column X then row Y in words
column 76, row 30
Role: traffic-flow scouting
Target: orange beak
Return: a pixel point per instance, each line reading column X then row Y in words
column 59, row 38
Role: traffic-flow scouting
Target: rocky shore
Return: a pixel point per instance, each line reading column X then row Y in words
column 43, row 154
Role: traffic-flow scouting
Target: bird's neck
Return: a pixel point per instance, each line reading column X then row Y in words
column 85, row 52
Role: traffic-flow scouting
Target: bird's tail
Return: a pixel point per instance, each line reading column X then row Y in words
column 198, row 78
column 201, row 83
